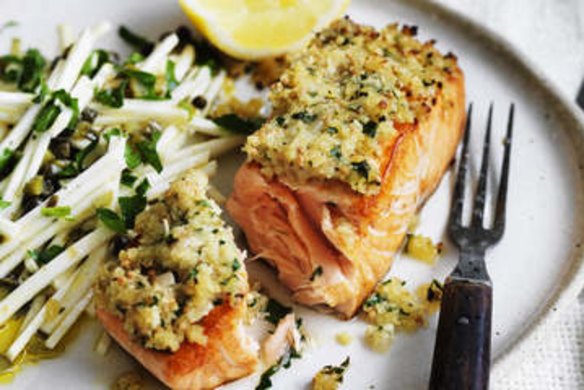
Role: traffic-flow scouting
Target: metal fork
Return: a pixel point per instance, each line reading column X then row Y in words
column 463, row 342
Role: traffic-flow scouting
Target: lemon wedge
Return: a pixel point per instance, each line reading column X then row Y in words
column 252, row 29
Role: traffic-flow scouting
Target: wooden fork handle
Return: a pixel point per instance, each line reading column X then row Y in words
column 462, row 352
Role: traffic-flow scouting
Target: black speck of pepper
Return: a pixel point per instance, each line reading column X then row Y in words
column 280, row 120
column 199, row 102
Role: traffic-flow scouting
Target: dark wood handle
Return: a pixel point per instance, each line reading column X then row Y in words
column 462, row 352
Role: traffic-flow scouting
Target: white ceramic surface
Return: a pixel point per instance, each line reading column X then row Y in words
column 535, row 268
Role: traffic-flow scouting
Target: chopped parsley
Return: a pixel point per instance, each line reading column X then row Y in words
column 336, row 152
column 46, row 255
column 132, row 157
column 304, row 116
column 111, row 220
column 237, row 124
column 370, row 129
column 148, row 153
column 276, row 311
column 33, row 64
column 113, row 97
column 128, row 179
column 362, row 168
column 6, row 157
column 236, row 265
column 285, row 361
column 94, row 62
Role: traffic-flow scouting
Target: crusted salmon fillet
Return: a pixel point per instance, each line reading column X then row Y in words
column 175, row 298
column 365, row 124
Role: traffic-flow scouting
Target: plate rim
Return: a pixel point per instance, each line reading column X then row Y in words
column 572, row 282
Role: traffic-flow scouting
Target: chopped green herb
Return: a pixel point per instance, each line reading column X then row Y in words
column 145, row 79
column 370, row 129
column 148, row 153
column 171, row 81
column 56, row 212
column 33, row 64
column 45, row 256
column 112, row 97
column 280, row 120
column 143, row 45
column 111, row 220
column 43, row 93
column 10, row 68
column 304, row 116
column 373, row 300
column 362, row 168
column 132, row 157
column 83, row 153
column 127, row 178
column 285, row 361
column 130, row 207
column 332, row 130
column 134, row 58
column 336, row 371
column 6, row 157
column 336, row 152
column 236, row 265
column 316, row 273
column 276, row 311
column 237, row 124
column 46, row 117
column 4, row 204
column 115, row 132
column 94, row 62
column 143, row 187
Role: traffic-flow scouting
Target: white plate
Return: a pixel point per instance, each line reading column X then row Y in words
column 535, row 269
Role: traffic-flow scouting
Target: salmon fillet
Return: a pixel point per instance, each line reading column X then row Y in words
column 228, row 355
column 175, row 298
column 392, row 115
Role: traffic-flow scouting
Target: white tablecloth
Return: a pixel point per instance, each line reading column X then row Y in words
column 551, row 33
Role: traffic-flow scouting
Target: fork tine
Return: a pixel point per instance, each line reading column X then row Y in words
column 481, row 192
column 458, row 196
column 499, row 225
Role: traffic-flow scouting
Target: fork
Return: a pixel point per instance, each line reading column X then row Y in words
column 463, row 341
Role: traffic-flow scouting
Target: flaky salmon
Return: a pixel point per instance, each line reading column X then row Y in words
column 365, row 124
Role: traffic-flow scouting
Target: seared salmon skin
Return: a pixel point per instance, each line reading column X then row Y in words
column 175, row 298
column 365, row 122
